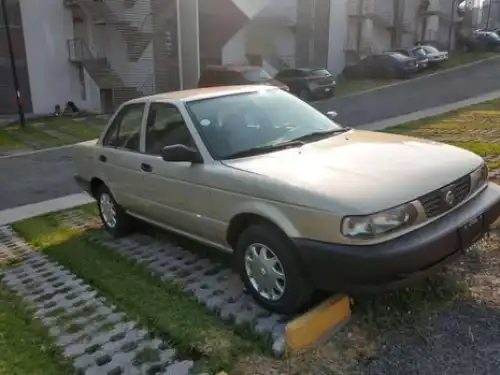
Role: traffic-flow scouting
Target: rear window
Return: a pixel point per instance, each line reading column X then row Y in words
column 256, row 75
column 419, row 52
column 320, row 73
column 430, row 49
column 398, row 56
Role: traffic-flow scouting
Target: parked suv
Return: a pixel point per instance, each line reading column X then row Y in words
column 308, row 84
column 232, row 75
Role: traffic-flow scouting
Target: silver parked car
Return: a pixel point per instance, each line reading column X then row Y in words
column 301, row 202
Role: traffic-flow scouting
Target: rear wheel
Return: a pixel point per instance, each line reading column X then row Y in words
column 114, row 218
column 271, row 271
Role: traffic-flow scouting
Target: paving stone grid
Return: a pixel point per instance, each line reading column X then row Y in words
column 93, row 334
column 217, row 288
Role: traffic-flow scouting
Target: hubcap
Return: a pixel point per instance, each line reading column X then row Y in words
column 108, row 210
column 265, row 272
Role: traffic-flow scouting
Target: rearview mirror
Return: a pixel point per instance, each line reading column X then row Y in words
column 331, row 115
column 180, row 153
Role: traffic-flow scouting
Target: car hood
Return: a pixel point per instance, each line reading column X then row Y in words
column 362, row 171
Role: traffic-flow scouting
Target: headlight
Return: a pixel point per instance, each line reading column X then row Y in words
column 478, row 178
column 376, row 225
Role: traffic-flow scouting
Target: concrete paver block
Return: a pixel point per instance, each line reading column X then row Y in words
column 218, row 288
column 93, row 334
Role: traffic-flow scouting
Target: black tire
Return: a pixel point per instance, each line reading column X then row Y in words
column 298, row 291
column 124, row 222
column 305, row 95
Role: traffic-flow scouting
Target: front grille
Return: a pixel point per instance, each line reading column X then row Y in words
column 435, row 203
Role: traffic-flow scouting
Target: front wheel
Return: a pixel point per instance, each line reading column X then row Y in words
column 271, row 271
column 114, row 218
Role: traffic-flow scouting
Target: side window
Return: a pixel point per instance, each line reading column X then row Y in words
column 166, row 127
column 230, row 78
column 125, row 132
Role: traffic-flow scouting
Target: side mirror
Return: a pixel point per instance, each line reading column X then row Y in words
column 331, row 115
column 180, row 153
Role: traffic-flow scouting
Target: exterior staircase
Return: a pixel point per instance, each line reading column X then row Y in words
column 100, row 13
column 100, row 71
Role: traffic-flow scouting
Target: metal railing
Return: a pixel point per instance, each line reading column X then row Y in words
column 79, row 51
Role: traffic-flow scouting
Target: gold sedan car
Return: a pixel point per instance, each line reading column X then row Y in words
column 302, row 202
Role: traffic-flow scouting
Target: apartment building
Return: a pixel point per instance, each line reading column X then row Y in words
column 99, row 53
column 378, row 25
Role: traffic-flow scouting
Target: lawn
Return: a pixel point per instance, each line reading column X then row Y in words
column 163, row 308
column 475, row 128
column 24, row 344
column 45, row 132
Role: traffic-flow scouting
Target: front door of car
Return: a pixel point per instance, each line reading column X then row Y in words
column 175, row 190
column 118, row 157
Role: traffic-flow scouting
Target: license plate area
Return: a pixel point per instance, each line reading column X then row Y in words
column 471, row 232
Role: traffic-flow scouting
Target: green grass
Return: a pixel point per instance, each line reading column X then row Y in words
column 25, row 347
column 161, row 307
column 461, row 58
column 464, row 127
column 13, row 136
column 8, row 141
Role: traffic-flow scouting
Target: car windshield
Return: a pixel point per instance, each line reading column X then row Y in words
column 320, row 73
column 398, row 55
column 493, row 35
column 430, row 49
column 257, row 120
column 419, row 52
column 256, row 75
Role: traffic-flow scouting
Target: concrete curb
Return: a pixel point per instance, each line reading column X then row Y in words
column 34, row 152
column 435, row 111
column 317, row 324
column 28, row 211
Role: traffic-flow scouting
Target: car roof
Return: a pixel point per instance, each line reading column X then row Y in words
column 201, row 93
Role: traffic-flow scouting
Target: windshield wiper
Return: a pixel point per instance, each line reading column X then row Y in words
column 321, row 134
column 264, row 149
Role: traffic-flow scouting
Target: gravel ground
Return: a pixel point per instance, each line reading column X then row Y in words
column 464, row 338
column 444, row 329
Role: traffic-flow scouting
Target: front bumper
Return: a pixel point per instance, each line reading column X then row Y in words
column 321, row 91
column 400, row 262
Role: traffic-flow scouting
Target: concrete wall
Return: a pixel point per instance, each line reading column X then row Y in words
column 189, row 43
column 338, row 35
column 47, row 26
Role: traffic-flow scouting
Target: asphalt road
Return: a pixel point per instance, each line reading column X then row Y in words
column 48, row 175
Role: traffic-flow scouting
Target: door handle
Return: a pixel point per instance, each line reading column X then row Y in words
column 146, row 167
column 103, row 158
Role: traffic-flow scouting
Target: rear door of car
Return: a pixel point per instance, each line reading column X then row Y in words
column 175, row 191
column 294, row 79
column 118, row 157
